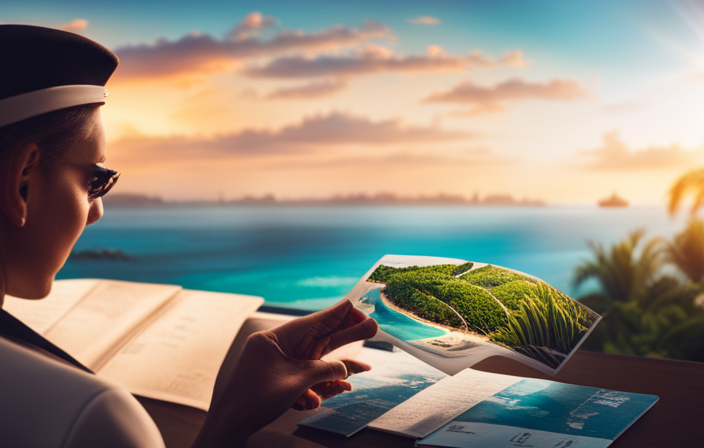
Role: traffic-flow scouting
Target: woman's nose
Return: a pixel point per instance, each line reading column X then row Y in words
column 96, row 211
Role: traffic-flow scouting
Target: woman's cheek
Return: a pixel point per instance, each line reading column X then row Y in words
column 71, row 219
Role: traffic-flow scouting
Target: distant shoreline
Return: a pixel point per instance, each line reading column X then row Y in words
column 136, row 200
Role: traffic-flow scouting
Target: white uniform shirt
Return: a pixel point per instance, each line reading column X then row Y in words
column 45, row 403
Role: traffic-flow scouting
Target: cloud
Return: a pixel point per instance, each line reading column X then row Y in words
column 315, row 133
column 75, row 25
column 425, row 20
column 515, row 59
column 198, row 52
column 374, row 59
column 494, row 98
column 252, row 25
column 480, row 109
column 615, row 155
column 313, row 90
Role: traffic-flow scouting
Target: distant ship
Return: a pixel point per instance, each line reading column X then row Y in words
column 613, row 201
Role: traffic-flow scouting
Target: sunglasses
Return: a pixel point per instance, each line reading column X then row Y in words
column 101, row 179
column 101, row 182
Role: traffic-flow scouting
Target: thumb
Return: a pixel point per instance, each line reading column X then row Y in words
column 321, row 371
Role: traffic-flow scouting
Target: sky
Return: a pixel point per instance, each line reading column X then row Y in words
column 567, row 102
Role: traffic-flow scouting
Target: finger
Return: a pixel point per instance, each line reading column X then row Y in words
column 363, row 330
column 329, row 389
column 354, row 316
column 323, row 371
column 354, row 366
column 328, row 320
column 308, row 400
column 319, row 347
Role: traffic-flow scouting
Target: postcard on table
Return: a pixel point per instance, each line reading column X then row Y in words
column 454, row 313
column 535, row 413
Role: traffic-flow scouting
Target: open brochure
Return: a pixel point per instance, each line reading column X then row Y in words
column 453, row 313
column 404, row 396
column 159, row 341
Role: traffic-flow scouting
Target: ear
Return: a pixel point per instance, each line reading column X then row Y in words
column 17, row 170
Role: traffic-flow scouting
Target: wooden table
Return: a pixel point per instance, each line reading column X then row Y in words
column 673, row 421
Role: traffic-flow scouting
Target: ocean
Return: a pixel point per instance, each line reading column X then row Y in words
column 309, row 257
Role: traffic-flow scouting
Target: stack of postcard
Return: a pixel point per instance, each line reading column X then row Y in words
column 449, row 314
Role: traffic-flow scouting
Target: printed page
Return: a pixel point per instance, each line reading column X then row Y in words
column 453, row 313
column 106, row 318
column 394, row 378
column 544, row 414
column 440, row 403
column 177, row 356
column 40, row 315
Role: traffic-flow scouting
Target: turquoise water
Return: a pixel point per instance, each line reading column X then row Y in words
column 562, row 408
column 397, row 324
column 309, row 257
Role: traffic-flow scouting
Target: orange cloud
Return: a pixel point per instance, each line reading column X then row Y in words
column 492, row 99
column 312, row 134
column 75, row 25
column 308, row 91
column 374, row 59
column 198, row 52
column 615, row 155
column 252, row 25
column 425, row 20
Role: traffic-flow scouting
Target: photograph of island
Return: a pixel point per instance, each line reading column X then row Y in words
column 460, row 309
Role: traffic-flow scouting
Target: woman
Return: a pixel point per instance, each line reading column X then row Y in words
column 52, row 150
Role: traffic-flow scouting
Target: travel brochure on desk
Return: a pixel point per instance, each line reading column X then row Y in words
column 449, row 314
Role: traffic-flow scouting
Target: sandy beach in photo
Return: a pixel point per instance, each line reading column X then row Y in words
column 453, row 341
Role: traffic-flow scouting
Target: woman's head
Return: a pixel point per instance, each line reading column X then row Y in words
column 44, row 197
column 52, row 147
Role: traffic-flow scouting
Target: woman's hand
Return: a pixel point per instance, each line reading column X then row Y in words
column 281, row 368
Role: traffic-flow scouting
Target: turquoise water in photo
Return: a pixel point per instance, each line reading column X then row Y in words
column 397, row 324
column 309, row 257
column 562, row 408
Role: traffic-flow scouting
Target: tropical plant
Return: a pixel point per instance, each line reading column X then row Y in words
column 383, row 273
column 490, row 276
column 410, row 289
column 625, row 271
column 686, row 250
column 429, row 308
column 690, row 183
column 511, row 294
column 545, row 318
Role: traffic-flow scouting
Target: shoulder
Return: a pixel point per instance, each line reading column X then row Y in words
column 48, row 404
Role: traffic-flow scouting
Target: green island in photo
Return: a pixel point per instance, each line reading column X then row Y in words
column 504, row 307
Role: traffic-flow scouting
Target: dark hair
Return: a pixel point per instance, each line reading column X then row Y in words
column 53, row 132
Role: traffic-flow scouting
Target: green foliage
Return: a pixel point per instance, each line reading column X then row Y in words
column 383, row 273
column 647, row 310
column 625, row 271
column 545, row 318
column 409, row 289
column 511, row 294
column 429, row 308
column 686, row 250
column 462, row 268
column 685, row 340
column 490, row 276
column 691, row 183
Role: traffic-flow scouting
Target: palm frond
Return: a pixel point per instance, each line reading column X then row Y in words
column 691, row 181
